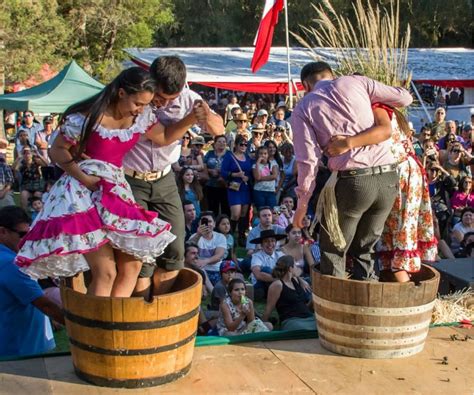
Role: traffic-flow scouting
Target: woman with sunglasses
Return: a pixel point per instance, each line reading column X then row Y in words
column 185, row 155
column 237, row 170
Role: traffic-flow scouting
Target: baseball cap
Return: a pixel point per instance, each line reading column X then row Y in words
column 48, row 119
column 281, row 104
column 262, row 112
column 280, row 124
column 227, row 265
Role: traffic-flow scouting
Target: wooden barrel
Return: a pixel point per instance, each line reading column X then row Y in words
column 131, row 343
column 374, row 319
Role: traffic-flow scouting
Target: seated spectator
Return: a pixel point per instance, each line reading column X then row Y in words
column 289, row 298
column 265, row 174
column 31, row 180
column 6, row 183
column 463, row 197
column 212, row 246
column 228, row 271
column 223, row 227
column 467, row 246
column 265, row 218
column 25, row 328
column 36, row 207
column 461, row 228
column 264, row 261
column 286, row 211
column 237, row 313
column 299, row 251
column 191, row 256
column 189, row 188
column 189, row 218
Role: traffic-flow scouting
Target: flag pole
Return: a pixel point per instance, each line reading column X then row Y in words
column 290, row 85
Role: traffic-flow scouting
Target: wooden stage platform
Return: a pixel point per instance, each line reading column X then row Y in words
column 283, row 367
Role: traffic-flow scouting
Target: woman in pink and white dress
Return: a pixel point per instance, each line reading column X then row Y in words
column 90, row 219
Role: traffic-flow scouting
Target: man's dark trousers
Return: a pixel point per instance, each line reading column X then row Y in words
column 162, row 196
column 363, row 203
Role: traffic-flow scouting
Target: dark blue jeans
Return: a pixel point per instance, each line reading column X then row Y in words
column 263, row 198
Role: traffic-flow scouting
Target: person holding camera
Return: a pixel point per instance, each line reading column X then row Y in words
column 28, row 167
column 212, row 246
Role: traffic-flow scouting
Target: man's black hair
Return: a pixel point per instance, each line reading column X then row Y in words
column 310, row 70
column 12, row 216
column 187, row 202
column 208, row 214
column 169, row 72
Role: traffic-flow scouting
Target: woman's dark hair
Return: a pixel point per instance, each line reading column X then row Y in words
column 133, row 80
column 239, row 140
column 169, row 72
column 219, row 219
column 234, row 281
column 195, row 185
column 466, row 210
column 218, row 137
column 11, row 216
column 277, row 156
column 461, row 183
column 282, row 266
column 287, row 146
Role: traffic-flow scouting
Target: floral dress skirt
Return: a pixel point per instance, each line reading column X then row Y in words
column 408, row 236
column 75, row 221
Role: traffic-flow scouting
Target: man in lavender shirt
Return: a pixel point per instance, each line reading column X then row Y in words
column 367, row 180
column 148, row 169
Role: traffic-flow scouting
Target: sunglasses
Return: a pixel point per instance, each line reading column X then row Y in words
column 241, row 121
column 20, row 233
column 28, row 115
column 455, row 151
column 243, row 144
column 186, row 138
column 257, row 133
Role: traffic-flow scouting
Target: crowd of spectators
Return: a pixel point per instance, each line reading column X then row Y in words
column 238, row 201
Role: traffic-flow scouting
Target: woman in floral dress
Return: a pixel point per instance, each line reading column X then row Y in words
column 408, row 236
column 90, row 219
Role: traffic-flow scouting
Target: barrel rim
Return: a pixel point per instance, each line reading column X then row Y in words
column 154, row 299
column 410, row 284
column 132, row 383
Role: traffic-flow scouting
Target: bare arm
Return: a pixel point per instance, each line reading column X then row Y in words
column 230, row 323
column 49, row 308
column 261, row 276
column 274, row 292
column 61, row 155
column 217, row 257
column 162, row 136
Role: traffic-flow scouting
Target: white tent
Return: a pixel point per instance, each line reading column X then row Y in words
column 229, row 68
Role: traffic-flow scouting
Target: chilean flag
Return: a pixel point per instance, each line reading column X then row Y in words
column 263, row 41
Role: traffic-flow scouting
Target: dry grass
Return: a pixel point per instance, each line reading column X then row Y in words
column 454, row 307
column 373, row 46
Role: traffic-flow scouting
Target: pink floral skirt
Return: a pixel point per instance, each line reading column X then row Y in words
column 75, row 221
column 408, row 236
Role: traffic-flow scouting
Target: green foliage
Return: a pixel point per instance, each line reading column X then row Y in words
column 94, row 32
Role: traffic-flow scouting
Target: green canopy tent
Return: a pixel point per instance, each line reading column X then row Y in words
column 71, row 85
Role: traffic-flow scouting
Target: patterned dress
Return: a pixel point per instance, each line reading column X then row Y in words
column 75, row 220
column 408, row 236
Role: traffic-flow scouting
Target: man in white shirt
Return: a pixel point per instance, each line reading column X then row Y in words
column 212, row 246
column 264, row 261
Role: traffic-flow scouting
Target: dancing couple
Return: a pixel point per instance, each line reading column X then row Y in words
column 91, row 218
column 378, row 186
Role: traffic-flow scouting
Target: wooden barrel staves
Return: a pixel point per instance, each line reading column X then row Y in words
column 131, row 343
column 374, row 319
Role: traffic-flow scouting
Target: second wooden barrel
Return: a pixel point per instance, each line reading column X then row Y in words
column 374, row 319
column 131, row 343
